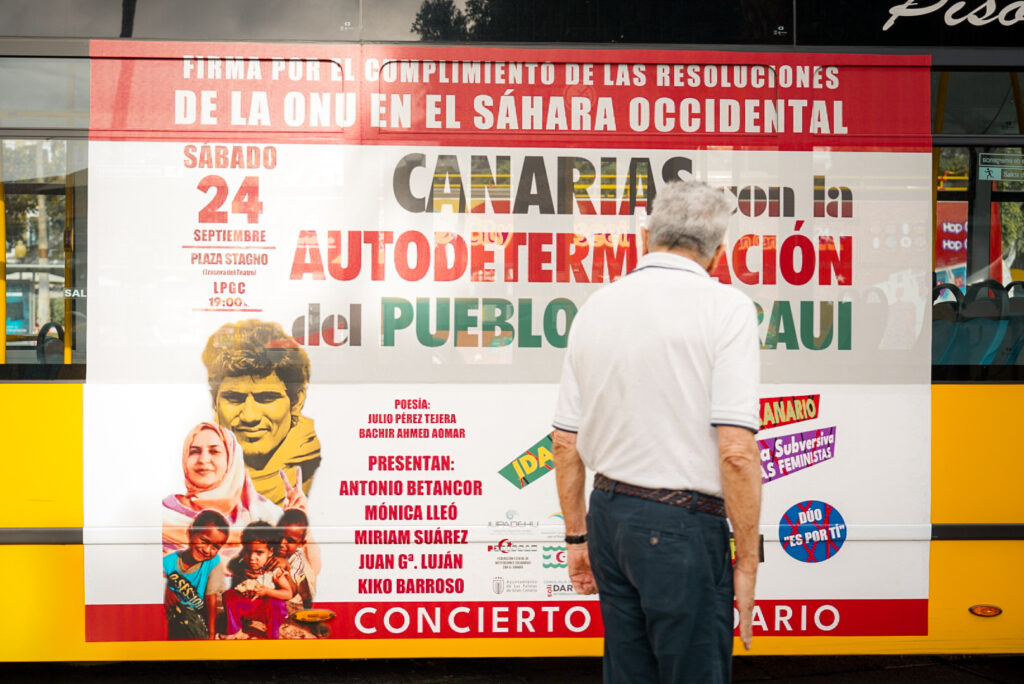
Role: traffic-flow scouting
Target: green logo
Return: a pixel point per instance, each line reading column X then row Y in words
column 554, row 557
column 531, row 465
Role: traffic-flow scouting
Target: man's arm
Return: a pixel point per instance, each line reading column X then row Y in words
column 741, row 483
column 571, row 474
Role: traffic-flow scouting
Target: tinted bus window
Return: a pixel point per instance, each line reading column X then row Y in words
column 43, row 183
column 38, row 92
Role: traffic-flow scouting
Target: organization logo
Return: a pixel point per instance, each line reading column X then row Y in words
column 787, row 454
column 502, row 585
column 554, row 526
column 812, row 531
column 512, row 524
column 510, row 555
column 531, row 465
column 554, row 557
column 509, row 546
column 779, row 411
column 560, row 588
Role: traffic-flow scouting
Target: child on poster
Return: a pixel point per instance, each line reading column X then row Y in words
column 291, row 553
column 195, row 576
column 261, row 587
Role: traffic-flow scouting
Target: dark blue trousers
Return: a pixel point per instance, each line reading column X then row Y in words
column 665, row 581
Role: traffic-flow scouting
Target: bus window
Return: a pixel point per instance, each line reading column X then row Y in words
column 978, row 309
column 978, row 296
column 44, row 93
column 43, row 266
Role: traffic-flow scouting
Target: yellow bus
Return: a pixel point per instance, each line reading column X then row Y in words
column 346, row 265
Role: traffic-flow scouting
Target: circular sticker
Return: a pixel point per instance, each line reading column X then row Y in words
column 812, row 531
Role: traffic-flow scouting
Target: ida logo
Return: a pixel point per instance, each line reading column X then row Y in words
column 553, row 589
column 532, row 464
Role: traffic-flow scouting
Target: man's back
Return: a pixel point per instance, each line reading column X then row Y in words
column 665, row 347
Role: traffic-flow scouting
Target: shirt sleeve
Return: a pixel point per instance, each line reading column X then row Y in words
column 216, row 583
column 736, row 375
column 567, row 409
column 297, row 565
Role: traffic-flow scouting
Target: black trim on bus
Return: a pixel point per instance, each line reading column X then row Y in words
column 975, row 140
column 24, row 46
column 27, row 188
column 993, row 375
column 41, row 536
column 944, row 57
column 71, row 133
column 42, row 371
column 977, row 531
column 50, row 536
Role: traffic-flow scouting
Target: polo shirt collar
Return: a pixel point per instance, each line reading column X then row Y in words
column 673, row 261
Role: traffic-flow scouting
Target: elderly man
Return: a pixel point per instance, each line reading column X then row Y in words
column 258, row 376
column 659, row 397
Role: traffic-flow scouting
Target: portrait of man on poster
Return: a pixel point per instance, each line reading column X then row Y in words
column 258, row 376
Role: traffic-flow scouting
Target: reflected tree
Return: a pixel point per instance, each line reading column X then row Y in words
column 33, row 162
column 440, row 20
column 605, row 21
column 1012, row 219
column 34, row 223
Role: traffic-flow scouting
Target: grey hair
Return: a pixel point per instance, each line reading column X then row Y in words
column 690, row 215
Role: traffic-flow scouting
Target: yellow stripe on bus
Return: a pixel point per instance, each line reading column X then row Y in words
column 42, row 440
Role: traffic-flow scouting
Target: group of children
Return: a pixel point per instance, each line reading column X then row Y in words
column 255, row 585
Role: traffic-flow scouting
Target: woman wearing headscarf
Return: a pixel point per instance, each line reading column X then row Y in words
column 215, row 478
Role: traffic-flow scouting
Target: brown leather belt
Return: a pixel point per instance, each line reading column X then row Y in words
column 687, row 498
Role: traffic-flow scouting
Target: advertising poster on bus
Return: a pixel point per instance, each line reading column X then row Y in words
column 330, row 293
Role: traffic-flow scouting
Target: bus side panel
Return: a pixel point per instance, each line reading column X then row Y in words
column 967, row 573
column 976, row 475
column 48, row 624
column 976, row 463
column 963, row 573
column 43, row 451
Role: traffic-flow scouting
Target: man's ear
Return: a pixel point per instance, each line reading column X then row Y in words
column 645, row 236
column 716, row 258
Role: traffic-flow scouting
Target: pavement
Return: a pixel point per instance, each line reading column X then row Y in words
column 804, row 670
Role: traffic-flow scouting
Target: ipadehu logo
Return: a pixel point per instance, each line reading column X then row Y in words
column 812, row 531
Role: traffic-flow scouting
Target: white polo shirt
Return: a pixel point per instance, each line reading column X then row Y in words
column 655, row 361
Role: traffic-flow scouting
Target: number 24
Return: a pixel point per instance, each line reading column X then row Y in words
column 246, row 200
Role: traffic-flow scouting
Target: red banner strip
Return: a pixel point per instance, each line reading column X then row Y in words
column 508, row 97
column 544, row 619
